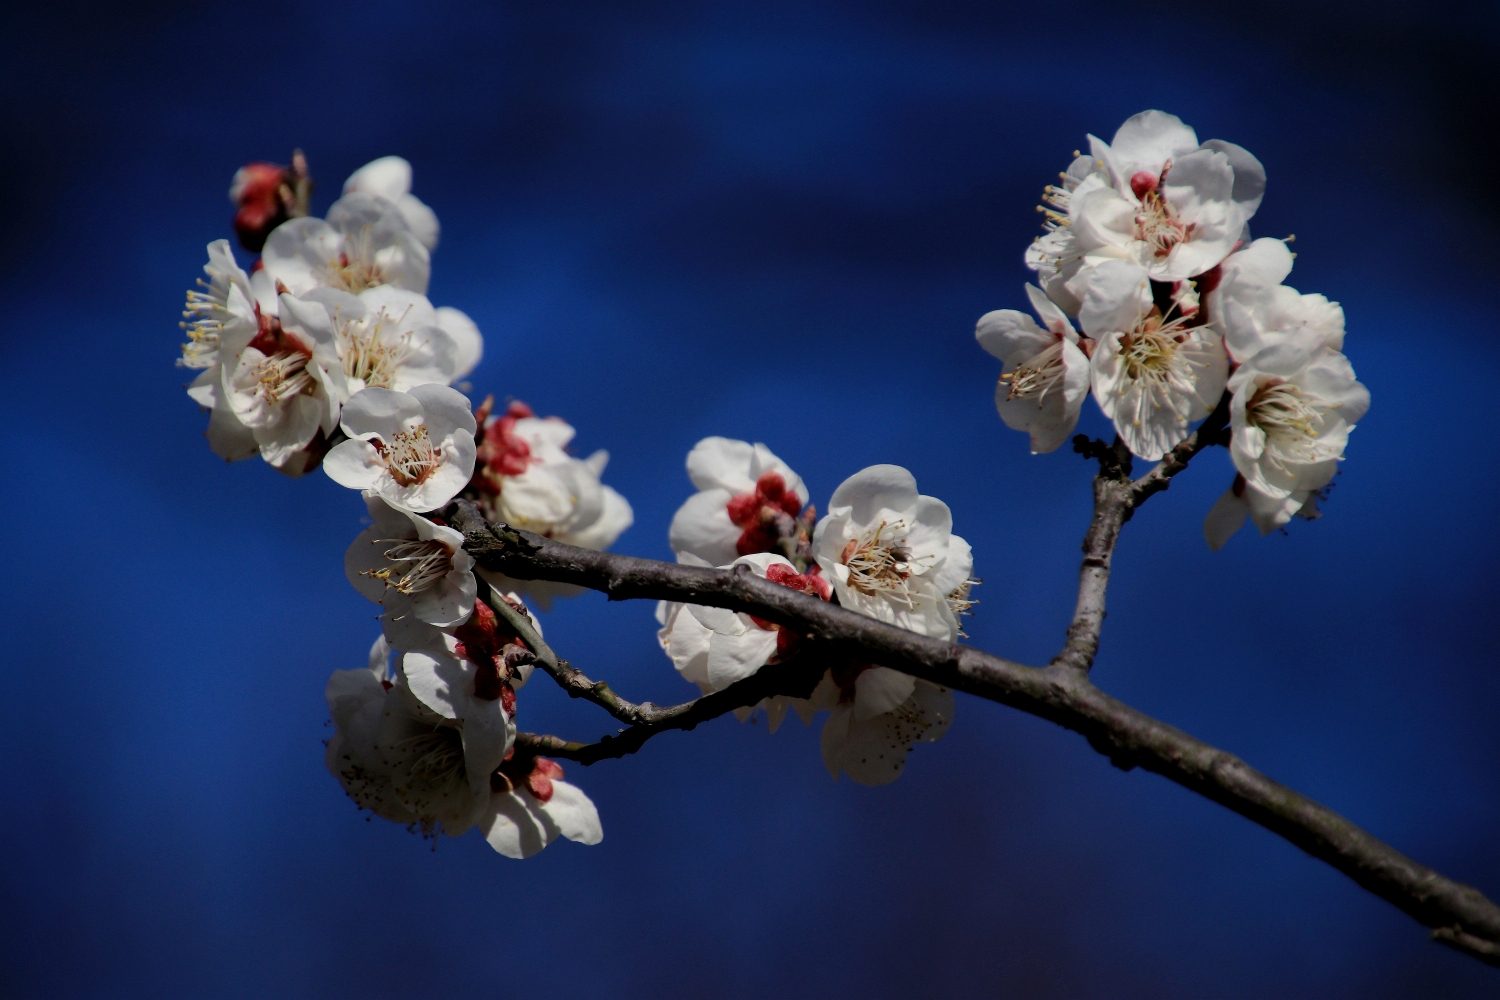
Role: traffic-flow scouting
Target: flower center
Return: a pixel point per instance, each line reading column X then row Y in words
column 1037, row 377
column 1157, row 225
column 410, row 456
column 413, row 566
column 282, row 376
column 369, row 356
column 1290, row 423
column 1151, row 352
column 878, row 564
column 355, row 268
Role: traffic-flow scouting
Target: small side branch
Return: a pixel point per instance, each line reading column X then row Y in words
column 794, row 679
column 570, row 678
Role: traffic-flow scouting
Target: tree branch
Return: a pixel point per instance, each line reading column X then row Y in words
column 1460, row 915
column 796, row 678
column 1116, row 499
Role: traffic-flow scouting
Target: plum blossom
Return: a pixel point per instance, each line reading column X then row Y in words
column 415, row 449
column 714, row 647
column 1256, row 311
column 1152, row 374
column 875, row 716
column 450, row 689
column 1243, row 501
column 401, row 759
column 385, row 338
column 1046, row 376
column 529, row 480
column 747, row 502
column 1291, row 415
column 390, row 178
column 1173, row 207
column 890, row 552
column 1056, row 256
column 530, row 806
column 416, row 569
column 277, row 381
column 222, row 309
column 1126, row 201
column 365, row 241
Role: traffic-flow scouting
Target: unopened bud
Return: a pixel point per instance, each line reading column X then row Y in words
column 263, row 193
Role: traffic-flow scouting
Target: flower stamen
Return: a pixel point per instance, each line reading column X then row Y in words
column 414, row 565
column 410, row 457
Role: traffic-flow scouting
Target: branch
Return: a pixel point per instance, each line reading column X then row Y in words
column 796, row 678
column 1116, row 499
column 1461, row 916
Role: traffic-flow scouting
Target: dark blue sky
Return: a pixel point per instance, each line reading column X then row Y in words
column 776, row 222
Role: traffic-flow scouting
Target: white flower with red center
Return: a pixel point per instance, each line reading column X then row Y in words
column 385, row 338
column 277, row 381
column 533, row 483
column 714, row 647
column 416, row 569
column 748, row 501
column 390, row 178
column 1153, row 374
column 1046, row 375
column 364, row 242
column 530, row 806
column 890, row 552
column 1174, row 207
column 1243, row 501
column 1290, row 415
column 1256, row 311
column 875, row 716
column 415, row 449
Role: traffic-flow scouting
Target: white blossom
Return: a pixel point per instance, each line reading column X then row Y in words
column 390, row 178
column 890, row 552
column 1291, row 415
column 531, row 806
column 715, row 647
column 399, row 758
column 1056, row 256
column 1045, row 376
column 1114, row 202
column 221, row 310
column 1174, row 207
column 1153, row 375
column 415, row 569
column 415, row 449
column 385, row 338
column 874, row 717
column 277, row 381
column 1242, row 501
column 1256, row 311
column 451, row 690
column 741, row 486
column 533, row 483
column 365, row 241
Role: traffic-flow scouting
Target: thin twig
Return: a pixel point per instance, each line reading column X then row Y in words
column 570, row 678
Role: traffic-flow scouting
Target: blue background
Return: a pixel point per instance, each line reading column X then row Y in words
column 775, row 222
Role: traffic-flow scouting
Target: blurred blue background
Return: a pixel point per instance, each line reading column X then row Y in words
column 777, row 222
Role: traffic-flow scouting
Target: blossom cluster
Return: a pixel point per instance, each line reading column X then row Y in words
column 882, row 550
column 326, row 352
column 1178, row 311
